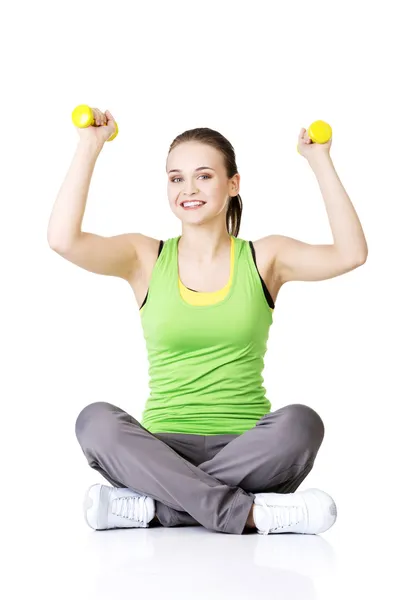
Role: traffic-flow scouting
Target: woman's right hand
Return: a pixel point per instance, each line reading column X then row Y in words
column 102, row 129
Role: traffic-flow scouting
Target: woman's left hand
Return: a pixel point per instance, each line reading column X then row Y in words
column 311, row 150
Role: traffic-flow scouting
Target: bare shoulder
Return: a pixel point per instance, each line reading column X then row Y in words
column 266, row 251
column 145, row 246
column 117, row 255
column 294, row 260
column 147, row 253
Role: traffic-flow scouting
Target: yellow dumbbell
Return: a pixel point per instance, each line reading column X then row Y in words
column 82, row 116
column 319, row 132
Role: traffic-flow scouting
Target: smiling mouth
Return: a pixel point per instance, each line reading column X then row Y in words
column 192, row 204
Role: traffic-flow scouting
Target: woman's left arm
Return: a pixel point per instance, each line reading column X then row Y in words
column 298, row 261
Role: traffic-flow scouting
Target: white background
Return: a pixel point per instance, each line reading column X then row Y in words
column 257, row 72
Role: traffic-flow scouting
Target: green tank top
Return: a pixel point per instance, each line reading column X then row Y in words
column 205, row 362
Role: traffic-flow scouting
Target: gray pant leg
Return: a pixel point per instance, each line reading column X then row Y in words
column 274, row 456
column 116, row 444
column 275, row 452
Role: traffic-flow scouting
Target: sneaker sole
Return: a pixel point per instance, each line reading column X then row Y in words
column 314, row 499
column 92, row 497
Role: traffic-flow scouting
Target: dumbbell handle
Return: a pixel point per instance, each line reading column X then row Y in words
column 83, row 116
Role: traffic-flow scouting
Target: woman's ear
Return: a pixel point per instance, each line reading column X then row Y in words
column 235, row 184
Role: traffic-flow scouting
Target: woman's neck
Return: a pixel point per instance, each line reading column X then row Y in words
column 198, row 244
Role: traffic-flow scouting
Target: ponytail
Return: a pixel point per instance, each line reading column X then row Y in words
column 234, row 215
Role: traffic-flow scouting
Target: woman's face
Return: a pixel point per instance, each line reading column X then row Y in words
column 196, row 171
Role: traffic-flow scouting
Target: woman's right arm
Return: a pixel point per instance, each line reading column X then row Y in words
column 116, row 255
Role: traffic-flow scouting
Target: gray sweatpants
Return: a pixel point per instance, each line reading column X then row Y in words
column 207, row 480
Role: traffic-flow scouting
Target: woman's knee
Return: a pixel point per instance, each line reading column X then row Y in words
column 305, row 424
column 94, row 422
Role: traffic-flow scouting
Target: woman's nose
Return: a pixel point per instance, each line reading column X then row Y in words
column 191, row 188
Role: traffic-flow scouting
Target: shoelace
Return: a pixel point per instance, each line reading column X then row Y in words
column 130, row 507
column 285, row 516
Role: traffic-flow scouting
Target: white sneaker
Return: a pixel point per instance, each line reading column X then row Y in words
column 310, row 511
column 107, row 507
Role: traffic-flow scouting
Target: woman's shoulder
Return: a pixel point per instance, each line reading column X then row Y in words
column 149, row 248
column 146, row 242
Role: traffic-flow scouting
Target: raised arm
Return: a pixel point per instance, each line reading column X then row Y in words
column 295, row 260
column 116, row 255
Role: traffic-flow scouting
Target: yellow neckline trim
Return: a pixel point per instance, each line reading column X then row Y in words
column 202, row 298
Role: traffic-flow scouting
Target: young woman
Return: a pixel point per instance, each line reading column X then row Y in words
column 208, row 451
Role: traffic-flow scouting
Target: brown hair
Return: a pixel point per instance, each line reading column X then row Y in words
column 215, row 139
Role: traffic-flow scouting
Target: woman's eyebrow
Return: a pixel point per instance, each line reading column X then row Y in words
column 198, row 169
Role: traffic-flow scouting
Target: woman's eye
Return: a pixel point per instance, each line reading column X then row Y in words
column 175, row 178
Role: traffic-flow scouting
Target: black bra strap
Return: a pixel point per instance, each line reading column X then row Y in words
column 266, row 292
column 159, row 252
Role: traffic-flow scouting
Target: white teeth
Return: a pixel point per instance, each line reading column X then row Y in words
column 192, row 203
